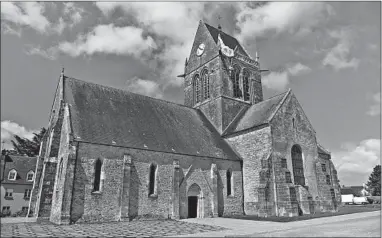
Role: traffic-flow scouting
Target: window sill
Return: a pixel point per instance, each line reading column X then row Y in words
column 8, row 198
column 96, row 192
column 153, row 196
column 27, row 198
column 231, row 196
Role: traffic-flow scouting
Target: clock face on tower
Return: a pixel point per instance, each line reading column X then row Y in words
column 200, row 49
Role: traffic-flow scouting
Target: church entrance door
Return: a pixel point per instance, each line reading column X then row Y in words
column 192, row 206
column 195, row 202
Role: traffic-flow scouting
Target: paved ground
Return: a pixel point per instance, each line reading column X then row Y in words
column 117, row 229
column 367, row 224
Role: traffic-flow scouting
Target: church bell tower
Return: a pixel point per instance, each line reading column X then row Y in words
column 221, row 78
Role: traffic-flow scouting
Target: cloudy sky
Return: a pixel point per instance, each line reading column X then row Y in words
column 328, row 53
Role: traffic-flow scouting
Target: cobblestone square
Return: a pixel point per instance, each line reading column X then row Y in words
column 115, row 229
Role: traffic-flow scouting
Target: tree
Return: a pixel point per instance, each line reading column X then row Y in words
column 374, row 182
column 29, row 147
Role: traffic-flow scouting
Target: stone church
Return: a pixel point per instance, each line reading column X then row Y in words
column 112, row 155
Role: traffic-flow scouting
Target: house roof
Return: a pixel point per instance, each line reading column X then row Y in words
column 355, row 190
column 228, row 40
column 257, row 114
column 111, row 116
column 22, row 165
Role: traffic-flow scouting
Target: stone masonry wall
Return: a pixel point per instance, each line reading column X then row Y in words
column 253, row 147
column 309, row 197
column 107, row 205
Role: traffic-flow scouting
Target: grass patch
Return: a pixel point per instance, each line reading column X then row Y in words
column 343, row 210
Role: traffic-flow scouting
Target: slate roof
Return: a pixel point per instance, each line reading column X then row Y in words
column 257, row 114
column 228, row 40
column 322, row 150
column 111, row 116
column 22, row 164
column 355, row 190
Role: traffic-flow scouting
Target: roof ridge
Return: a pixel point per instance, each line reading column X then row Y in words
column 126, row 91
column 279, row 104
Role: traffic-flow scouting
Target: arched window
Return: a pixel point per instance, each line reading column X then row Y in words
column 229, row 182
column 152, row 182
column 206, row 84
column 235, row 74
column 298, row 166
column 197, row 88
column 246, row 82
column 30, row 176
column 97, row 175
column 12, row 175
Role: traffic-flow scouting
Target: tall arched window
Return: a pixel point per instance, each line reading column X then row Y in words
column 152, row 178
column 235, row 78
column 197, row 88
column 229, row 182
column 298, row 166
column 97, row 175
column 206, row 84
column 246, row 81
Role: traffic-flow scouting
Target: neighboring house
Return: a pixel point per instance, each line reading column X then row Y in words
column 17, row 182
column 112, row 155
column 348, row 193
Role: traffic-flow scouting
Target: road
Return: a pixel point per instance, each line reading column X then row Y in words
column 367, row 224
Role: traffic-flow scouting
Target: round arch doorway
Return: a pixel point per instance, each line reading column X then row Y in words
column 195, row 202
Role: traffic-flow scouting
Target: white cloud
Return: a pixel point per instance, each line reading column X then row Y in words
column 276, row 80
column 279, row 79
column 173, row 23
column 73, row 12
column 375, row 109
column 7, row 29
column 50, row 53
column 298, row 69
column 110, row 39
column 339, row 57
column 9, row 129
column 354, row 163
column 280, row 17
column 60, row 26
column 144, row 87
column 25, row 14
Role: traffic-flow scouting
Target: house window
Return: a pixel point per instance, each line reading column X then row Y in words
column 235, row 78
column 97, row 175
column 12, row 175
column 206, row 84
column 293, row 196
column 9, row 193
column 152, row 178
column 328, row 180
column 246, row 82
column 298, row 166
column 27, row 193
column 6, row 210
column 24, row 209
column 229, row 182
column 323, row 166
column 288, row 178
column 197, row 88
column 30, row 176
column 283, row 163
column 293, row 123
column 332, row 194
